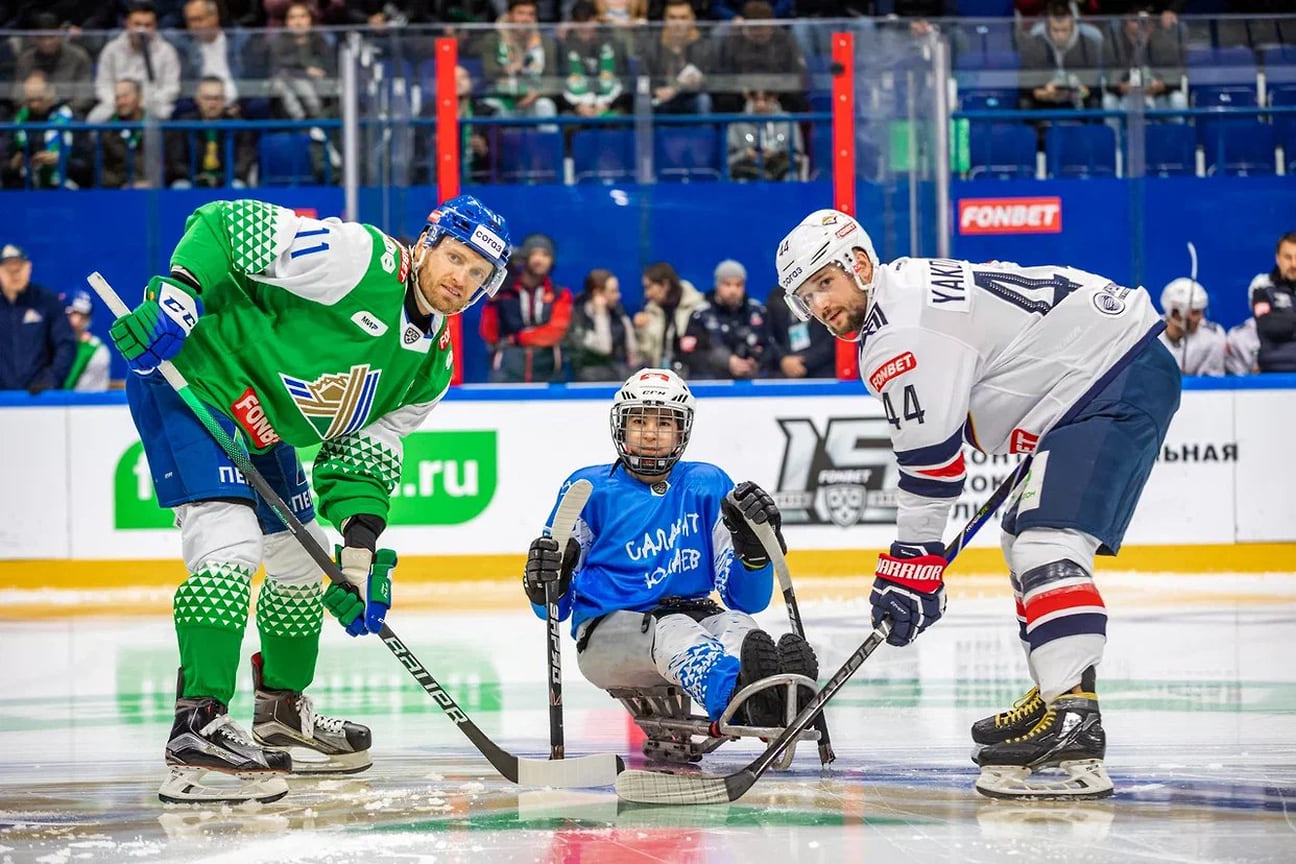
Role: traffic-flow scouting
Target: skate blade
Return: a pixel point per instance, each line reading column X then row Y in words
column 307, row 762
column 1085, row 780
column 184, row 785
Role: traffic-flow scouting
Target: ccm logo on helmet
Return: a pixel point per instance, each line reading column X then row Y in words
column 892, row 368
column 488, row 241
column 1010, row 215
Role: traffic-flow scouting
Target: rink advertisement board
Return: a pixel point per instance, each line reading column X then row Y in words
column 482, row 474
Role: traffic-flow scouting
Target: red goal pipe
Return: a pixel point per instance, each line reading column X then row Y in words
column 843, row 161
column 447, row 148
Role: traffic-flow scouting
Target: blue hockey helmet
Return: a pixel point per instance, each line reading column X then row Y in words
column 471, row 222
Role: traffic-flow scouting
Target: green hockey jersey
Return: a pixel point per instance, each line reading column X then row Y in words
column 309, row 335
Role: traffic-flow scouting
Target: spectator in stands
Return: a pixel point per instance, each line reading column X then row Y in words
column 1061, row 67
column 767, row 57
column 127, row 151
column 89, row 371
column 622, row 13
column 596, row 62
column 669, row 303
column 476, row 141
column 1273, row 302
column 736, row 10
column 601, row 339
column 1139, row 54
column 767, row 150
column 804, row 351
column 515, row 58
column 701, row 9
column 141, row 55
column 729, row 336
column 47, row 158
column 207, row 53
column 678, row 63
column 525, row 323
column 198, row 157
column 1197, row 344
column 1242, row 348
column 918, row 13
column 36, row 342
column 301, row 61
column 65, row 64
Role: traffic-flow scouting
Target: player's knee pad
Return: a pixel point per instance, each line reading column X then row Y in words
column 1036, row 547
column 223, row 532
column 287, row 561
column 618, row 652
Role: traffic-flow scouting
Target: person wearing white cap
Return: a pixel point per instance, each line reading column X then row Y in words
column 1198, row 345
column 89, row 372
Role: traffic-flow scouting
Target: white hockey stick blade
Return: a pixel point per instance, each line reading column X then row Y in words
column 656, row 787
column 569, row 509
column 581, row 772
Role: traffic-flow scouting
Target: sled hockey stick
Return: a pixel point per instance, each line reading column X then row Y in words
column 596, row 770
column 569, row 508
column 654, row 787
column 765, row 533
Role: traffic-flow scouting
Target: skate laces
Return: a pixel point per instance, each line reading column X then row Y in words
column 1040, row 727
column 226, row 726
column 1029, row 702
column 310, row 719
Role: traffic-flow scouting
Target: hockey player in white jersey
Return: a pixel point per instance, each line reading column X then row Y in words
column 655, row 538
column 1198, row 345
column 1049, row 361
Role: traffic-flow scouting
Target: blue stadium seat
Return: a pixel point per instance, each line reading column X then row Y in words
column 285, row 159
column 604, row 155
column 530, row 156
column 1240, row 147
column 1170, row 150
column 988, row 100
column 1001, row 150
column 1221, row 68
column 684, row 153
column 869, row 163
column 1081, row 151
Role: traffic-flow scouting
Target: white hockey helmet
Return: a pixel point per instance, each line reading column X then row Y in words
column 653, row 391
column 1183, row 295
column 823, row 237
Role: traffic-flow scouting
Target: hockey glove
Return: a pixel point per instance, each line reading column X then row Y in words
column 909, row 589
column 361, row 603
column 546, row 565
column 751, row 503
column 156, row 330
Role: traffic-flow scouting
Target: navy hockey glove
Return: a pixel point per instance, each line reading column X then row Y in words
column 361, row 602
column 909, row 589
column 545, row 564
column 754, row 503
column 156, row 330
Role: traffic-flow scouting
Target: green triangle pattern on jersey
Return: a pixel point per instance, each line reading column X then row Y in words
column 215, row 597
column 358, row 455
column 252, row 228
column 289, row 610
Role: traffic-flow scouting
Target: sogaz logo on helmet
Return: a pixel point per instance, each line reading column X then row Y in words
column 488, row 241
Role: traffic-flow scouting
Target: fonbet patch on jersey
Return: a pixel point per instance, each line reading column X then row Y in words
column 892, row 368
column 488, row 241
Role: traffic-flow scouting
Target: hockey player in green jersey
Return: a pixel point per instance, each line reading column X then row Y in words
column 294, row 331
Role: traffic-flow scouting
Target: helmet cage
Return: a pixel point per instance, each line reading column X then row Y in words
column 680, row 415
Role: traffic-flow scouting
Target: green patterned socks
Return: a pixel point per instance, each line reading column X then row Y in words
column 210, row 612
column 289, row 618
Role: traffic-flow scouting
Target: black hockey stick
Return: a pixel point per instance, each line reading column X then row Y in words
column 569, row 508
column 765, row 533
column 654, row 787
column 596, row 770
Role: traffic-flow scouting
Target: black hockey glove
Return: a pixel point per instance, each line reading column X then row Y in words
column 545, row 564
column 754, row 503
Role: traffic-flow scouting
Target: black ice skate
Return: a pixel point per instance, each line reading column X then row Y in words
column 204, row 739
column 285, row 719
column 759, row 659
column 1017, row 720
column 796, row 657
column 1069, row 736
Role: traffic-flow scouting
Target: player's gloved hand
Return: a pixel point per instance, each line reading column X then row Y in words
column 156, row 330
column 909, row 588
column 546, row 565
column 361, row 603
column 754, row 503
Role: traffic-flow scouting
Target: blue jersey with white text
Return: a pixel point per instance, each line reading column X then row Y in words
column 640, row 546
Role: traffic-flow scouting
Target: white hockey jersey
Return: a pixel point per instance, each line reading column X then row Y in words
column 1199, row 353
column 989, row 354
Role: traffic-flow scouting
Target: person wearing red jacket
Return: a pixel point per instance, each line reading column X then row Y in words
column 524, row 324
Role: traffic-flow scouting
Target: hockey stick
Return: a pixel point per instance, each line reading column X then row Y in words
column 765, row 533
column 654, row 787
column 596, row 770
column 569, row 508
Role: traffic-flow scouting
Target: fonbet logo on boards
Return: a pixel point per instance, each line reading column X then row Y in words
column 1010, row 215
column 447, row 478
column 845, row 476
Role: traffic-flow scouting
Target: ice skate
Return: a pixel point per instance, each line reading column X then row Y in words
column 206, row 741
column 1069, row 736
column 1017, row 720
column 322, row 745
column 796, row 657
